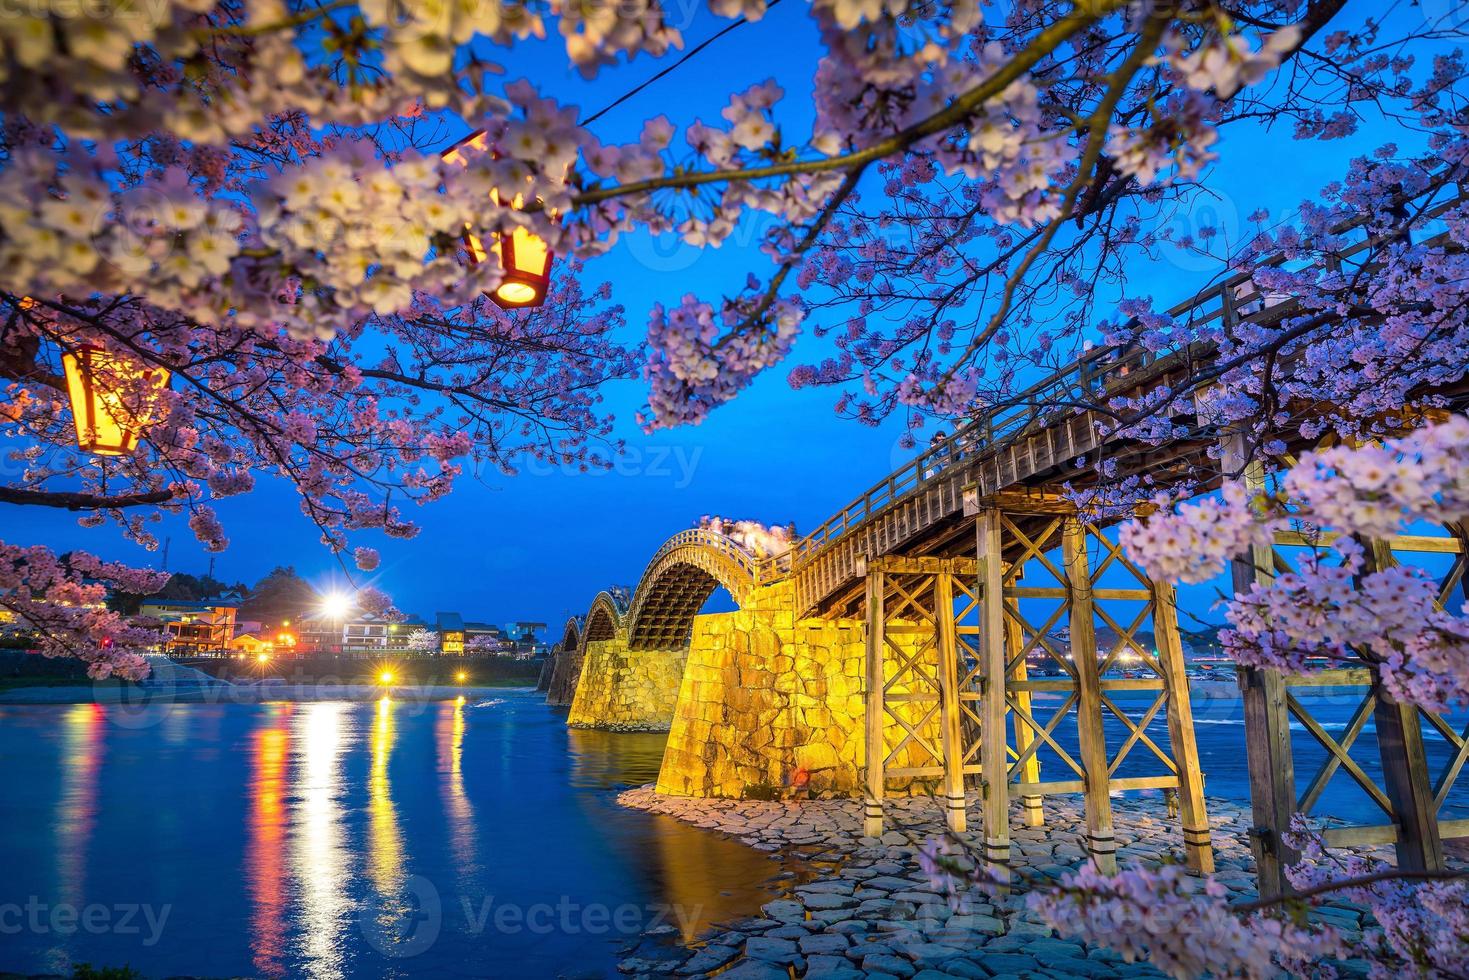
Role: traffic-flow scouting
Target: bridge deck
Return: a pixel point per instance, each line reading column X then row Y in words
column 1037, row 438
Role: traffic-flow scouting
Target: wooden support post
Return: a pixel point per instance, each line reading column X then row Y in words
column 1091, row 737
column 1197, row 849
column 1405, row 765
column 876, row 748
column 994, row 762
column 1267, row 717
column 1031, row 812
column 948, row 668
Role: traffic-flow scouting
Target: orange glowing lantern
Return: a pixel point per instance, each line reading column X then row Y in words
column 524, row 258
column 113, row 399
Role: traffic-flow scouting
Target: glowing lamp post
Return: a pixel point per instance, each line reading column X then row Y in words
column 112, row 399
column 524, row 258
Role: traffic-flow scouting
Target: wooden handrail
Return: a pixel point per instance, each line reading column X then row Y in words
column 986, row 433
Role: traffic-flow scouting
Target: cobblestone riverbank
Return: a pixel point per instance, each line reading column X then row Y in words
column 872, row 912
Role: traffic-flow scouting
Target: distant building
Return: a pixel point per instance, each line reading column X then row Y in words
column 251, row 644
column 363, row 635
column 398, row 634
column 195, row 627
column 450, row 626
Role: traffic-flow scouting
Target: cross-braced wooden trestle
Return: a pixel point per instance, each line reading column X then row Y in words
column 953, row 645
column 1411, row 793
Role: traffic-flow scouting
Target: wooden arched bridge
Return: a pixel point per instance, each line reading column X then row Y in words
column 959, row 627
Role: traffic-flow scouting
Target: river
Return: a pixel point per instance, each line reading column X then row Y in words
column 477, row 837
column 470, row 837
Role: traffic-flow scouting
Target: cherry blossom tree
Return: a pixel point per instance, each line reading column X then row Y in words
column 760, row 540
column 249, row 194
column 423, row 641
column 488, row 643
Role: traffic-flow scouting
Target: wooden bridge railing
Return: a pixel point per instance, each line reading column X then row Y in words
column 1092, row 378
column 1098, row 373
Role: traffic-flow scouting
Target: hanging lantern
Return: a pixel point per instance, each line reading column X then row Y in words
column 524, row 258
column 113, row 399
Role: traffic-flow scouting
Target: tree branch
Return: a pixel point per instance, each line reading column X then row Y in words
column 70, row 500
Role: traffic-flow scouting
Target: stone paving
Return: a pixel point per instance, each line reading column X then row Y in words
column 871, row 911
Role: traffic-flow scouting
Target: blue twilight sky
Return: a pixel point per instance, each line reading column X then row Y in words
column 539, row 545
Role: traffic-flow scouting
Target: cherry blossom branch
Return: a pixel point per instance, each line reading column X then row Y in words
column 956, row 113
column 70, row 500
column 1341, row 884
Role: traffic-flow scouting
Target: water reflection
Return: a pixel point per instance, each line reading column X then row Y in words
column 265, row 856
column 76, row 810
column 318, row 855
column 354, row 858
column 449, row 732
column 384, row 837
column 703, row 878
column 606, row 760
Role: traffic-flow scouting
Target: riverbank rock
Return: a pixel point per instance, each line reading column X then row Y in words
column 869, row 910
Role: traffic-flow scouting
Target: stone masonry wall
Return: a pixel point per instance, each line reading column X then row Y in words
column 764, row 695
column 626, row 690
column 564, row 676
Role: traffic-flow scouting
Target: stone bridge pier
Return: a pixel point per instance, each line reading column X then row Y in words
column 754, row 701
column 624, row 690
column 764, row 698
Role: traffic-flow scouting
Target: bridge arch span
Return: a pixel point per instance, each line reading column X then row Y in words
column 606, row 617
column 679, row 579
column 571, row 635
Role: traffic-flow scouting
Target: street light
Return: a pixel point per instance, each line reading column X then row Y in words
column 335, row 605
column 462, row 676
column 524, row 258
column 386, row 677
column 112, row 399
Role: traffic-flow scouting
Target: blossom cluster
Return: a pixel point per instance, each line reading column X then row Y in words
column 1194, row 540
column 692, row 367
column 487, row 643
column 760, row 540
column 1334, row 610
column 62, row 603
column 1339, row 608
column 1181, row 925
column 1184, row 925
column 1422, row 927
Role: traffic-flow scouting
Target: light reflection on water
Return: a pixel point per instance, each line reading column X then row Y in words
column 449, row 731
column 265, row 857
column 385, row 839
column 337, row 840
column 319, row 862
column 76, row 811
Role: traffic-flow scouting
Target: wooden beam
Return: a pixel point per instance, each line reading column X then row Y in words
column 948, row 670
column 994, row 760
column 1101, row 840
column 1405, row 766
column 1028, row 501
column 1197, row 849
column 1031, row 812
column 875, row 748
column 1267, row 718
